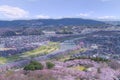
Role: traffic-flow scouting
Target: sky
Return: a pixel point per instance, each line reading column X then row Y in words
column 45, row 9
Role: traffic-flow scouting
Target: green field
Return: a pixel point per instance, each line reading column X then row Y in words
column 3, row 60
column 80, row 68
column 66, row 57
column 46, row 49
column 43, row 50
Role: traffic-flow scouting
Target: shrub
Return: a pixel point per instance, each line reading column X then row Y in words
column 99, row 70
column 34, row 65
column 98, row 59
column 49, row 65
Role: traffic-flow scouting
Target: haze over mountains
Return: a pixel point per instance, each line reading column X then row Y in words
column 51, row 22
column 113, row 22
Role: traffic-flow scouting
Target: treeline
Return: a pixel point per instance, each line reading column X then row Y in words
column 20, row 31
column 34, row 65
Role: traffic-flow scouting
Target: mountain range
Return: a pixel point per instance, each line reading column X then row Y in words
column 51, row 22
column 113, row 22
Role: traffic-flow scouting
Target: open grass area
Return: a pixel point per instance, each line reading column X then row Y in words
column 78, row 51
column 81, row 68
column 46, row 49
column 3, row 60
column 66, row 57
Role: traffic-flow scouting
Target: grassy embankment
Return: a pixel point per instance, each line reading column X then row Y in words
column 43, row 50
column 67, row 57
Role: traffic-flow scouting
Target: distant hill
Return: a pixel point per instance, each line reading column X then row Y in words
column 113, row 22
column 51, row 22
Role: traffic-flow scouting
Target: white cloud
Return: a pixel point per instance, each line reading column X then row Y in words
column 13, row 12
column 107, row 17
column 42, row 16
column 84, row 14
column 88, row 14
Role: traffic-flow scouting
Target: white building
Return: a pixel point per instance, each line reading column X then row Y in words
column 94, row 46
column 49, row 33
